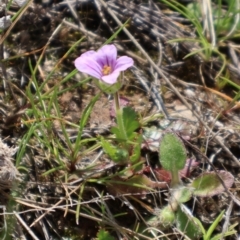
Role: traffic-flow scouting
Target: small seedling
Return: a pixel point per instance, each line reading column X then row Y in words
column 173, row 157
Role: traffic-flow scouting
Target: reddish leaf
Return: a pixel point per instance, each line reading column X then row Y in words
column 138, row 184
column 163, row 175
column 209, row 184
column 190, row 165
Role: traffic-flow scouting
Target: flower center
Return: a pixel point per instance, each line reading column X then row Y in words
column 106, row 70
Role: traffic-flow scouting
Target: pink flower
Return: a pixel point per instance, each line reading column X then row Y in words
column 103, row 64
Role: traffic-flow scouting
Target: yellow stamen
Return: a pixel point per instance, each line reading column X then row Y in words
column 106, row 70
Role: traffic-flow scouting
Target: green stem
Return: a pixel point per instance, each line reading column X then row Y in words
column 117, row 102
column 119, row 119
column 175, row 178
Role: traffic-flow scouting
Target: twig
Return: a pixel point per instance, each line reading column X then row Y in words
column 25, row 226
column 227, row 219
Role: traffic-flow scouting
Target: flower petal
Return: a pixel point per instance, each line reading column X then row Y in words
column 88, row 53
column 86, row 63
column 107, row 55
column 123, row 63
column 111, row 78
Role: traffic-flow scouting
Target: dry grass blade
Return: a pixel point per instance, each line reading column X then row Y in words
column 207, row 17
column 16, row 20
column 26, row 226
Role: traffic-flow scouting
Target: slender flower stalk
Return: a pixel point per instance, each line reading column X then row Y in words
column 119, row 112
column 119, row 119
column 117, row 101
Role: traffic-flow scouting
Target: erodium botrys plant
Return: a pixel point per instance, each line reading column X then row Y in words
column 124, row 148
column 106, row 70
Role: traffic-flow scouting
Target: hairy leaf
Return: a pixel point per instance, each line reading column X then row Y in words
column 116, row 154
column 209, row 184
column 182, row 194
column 172, row 153
column 187, row 223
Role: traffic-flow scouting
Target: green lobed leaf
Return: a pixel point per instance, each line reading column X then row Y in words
column 209, row 184
column 136, row 149
column 116, row 154
column 127, row 124
column 172, row 153
column 104, row 235
column 118, row 133
column 130, row 121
